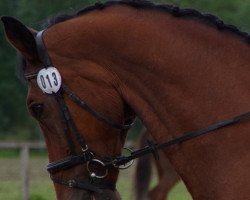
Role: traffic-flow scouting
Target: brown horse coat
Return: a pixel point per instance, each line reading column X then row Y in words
column 178, row 74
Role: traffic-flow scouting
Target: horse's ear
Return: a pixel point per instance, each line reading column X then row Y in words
column 21, row 37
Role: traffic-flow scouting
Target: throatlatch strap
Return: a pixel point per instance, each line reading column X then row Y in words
column 97, row 115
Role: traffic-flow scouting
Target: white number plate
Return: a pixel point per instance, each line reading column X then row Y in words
column 49, row 80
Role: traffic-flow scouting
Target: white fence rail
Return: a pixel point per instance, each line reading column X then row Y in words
column 24, row 148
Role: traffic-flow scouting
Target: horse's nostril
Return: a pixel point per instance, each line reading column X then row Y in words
column 37, row 109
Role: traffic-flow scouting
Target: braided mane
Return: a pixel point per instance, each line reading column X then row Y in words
column 209, row 19
column 171, row 9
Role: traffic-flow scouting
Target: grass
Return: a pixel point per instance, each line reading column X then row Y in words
column 41, row 186
column 15, row 153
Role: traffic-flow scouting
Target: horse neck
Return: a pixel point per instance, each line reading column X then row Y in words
column 186, row 77
column 178, row 75
column 189, row 86
column 166, row 65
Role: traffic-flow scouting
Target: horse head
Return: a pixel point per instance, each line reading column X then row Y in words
column 81, row 113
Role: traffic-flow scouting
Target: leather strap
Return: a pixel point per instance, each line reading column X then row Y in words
column 152, row 148
column 41, row 49
column 128, row 124
column 93, row 187
column 69, row 162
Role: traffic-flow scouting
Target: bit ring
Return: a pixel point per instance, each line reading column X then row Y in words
column 92, row 173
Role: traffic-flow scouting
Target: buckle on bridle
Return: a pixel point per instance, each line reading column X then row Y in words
column 126, row 165
column 85, row 149
column 72, row 183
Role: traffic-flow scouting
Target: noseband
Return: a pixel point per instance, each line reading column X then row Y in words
column 87, row 156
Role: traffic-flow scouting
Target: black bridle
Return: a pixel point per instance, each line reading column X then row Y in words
column 87, row 156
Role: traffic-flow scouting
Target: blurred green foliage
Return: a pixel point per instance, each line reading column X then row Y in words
column 15, row 122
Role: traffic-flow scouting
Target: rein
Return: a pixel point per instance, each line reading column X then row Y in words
column 87, row 156
column 153, row 148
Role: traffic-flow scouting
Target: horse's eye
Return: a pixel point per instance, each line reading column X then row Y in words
column 37, row 110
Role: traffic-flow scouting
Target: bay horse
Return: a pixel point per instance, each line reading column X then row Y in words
column 177, row 69
column 167, row 176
